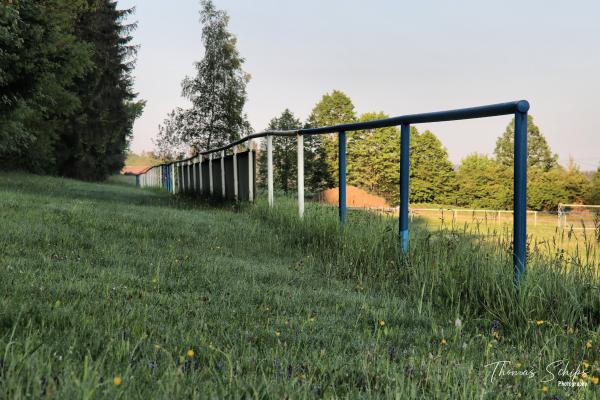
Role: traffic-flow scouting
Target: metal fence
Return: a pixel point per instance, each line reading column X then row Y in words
column 189, row 174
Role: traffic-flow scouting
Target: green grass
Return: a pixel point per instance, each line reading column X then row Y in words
column 106, row 280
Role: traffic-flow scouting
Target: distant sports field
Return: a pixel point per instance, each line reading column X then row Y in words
column 109, row 291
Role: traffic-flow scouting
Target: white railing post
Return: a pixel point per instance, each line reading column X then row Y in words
column 210, row 177
column 223, row 172
column 250, row 172
column 173, row 177
column 235, row 174
column 300, row 146
column 270, row 168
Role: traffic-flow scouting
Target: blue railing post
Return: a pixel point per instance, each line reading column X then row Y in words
column 404, row 177
column 342, row 176
column 520, row 189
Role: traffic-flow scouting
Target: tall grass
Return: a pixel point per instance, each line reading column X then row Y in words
column 451, row 268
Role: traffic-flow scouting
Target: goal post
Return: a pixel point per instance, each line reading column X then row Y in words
column 578, row 216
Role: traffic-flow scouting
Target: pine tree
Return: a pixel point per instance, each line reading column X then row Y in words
column 217, row 92
column 539, row 154
column 93, row 145
column 40, row 57
column 432, row 178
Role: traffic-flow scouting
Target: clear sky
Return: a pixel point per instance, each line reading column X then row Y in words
column 398, row 57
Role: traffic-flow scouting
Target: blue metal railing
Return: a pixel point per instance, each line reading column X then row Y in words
column 518, row 108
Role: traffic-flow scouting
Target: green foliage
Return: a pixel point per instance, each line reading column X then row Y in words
column 217, row 93
column 546, row 189
column 40, row 59
column 577, row 185
column 373, row 157
column 332, row 109
column 52, row 52
column 483, row 183
column 539, row 154
column 141, row 160
column 432, row 177
column 593, row 195
column 93, row 144
column 285, row 157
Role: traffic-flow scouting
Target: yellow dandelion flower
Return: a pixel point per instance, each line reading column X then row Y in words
column 443, row 342
column 584, row 375
column 539, row 322
column 588, row 344
column 545, row 389
column 277, row 333
column 117, row 381
column 496, row 334
column 190, row 353
column 594, row 380
column 381, row 322
column 585, row 364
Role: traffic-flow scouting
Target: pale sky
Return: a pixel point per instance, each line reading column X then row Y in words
column 399, row 57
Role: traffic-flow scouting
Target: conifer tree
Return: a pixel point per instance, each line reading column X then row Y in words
column 94, row 142
column 432, row 177
column 539, row 154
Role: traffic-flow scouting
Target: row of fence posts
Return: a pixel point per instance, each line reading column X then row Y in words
column 174, row 181
column 184, row 177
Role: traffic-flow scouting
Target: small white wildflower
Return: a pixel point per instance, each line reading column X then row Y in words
column 458, row 323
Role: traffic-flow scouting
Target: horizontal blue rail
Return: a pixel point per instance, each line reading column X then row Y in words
column 519, row 108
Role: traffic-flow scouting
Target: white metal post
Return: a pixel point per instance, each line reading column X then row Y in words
column 270, row 168
column 223, row 172
column 300, row 146
column 235, row 174
column 250, row 172
column 210, row 177
column 172, row 172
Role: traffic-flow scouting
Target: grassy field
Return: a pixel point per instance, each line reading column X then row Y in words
column 544, row 235
column 108, row 291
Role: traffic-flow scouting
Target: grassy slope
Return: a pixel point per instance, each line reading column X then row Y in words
column 99, row 281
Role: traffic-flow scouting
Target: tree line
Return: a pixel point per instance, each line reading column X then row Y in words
column 217, row 94
column 67, row 104
column 373, row 159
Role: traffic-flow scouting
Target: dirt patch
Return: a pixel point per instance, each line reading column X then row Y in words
column 355, row 197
